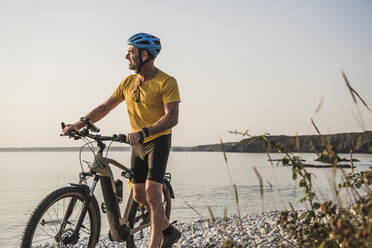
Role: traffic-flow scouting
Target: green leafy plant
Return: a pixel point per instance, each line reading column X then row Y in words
column 326, row 224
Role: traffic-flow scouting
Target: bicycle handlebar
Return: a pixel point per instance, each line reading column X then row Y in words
column 91, row 127
column 116, row 137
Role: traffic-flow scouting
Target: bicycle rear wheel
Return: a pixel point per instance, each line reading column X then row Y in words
column 138, row 216
column 44, row 226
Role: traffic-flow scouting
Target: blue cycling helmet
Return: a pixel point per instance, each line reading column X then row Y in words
column 146, row 41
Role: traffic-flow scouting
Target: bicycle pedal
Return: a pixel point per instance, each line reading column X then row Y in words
column 145, row 218
column 103, row 208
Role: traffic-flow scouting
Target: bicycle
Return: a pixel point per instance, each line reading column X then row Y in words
column 61, row 218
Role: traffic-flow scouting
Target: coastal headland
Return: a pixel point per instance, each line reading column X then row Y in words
column 342, row 143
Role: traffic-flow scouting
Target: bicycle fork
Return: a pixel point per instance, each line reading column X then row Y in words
column 75, row 235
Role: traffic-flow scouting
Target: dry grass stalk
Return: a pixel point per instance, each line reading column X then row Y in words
column 319, row 105
column 317, row 130
column 213, row 220
column 260, row 181
column 223, row 151
column 333, row 186
column 196, row 211
column 235, row 190
column 237, row 201
column 271, row 186
column 226, row 162
column 225, row 218
column 231, row 182
column 353, row 93
column 313, row 148
column 293, row 210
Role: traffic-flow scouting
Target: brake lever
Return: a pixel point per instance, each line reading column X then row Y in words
column 89, row 124
column 63, row 125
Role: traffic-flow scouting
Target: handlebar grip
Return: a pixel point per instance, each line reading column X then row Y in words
column 72, row 133
column 122, row 138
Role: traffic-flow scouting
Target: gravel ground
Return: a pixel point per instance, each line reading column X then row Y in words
column 259, row 230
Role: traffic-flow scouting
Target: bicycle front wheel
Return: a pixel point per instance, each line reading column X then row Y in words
column 55, row 219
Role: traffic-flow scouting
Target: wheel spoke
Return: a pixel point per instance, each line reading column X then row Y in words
column 82, row 228
column 46, row 233
column 56, row 212
column 50, row 223
column 41, row 240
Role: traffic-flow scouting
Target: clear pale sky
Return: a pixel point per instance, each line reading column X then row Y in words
column 256, row 65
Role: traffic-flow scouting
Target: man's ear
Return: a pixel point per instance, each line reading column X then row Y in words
column 145, row 54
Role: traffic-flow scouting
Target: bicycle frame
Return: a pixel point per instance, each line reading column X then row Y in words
column 119, row 226
column 100, row 169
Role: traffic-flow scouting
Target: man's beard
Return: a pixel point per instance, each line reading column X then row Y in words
column 132, row 66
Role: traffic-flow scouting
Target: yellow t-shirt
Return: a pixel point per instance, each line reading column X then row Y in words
column 146, row 104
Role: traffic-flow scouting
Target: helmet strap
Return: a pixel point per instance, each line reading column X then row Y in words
column 141, row 63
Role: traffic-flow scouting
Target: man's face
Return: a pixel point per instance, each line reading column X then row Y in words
column 133, row 58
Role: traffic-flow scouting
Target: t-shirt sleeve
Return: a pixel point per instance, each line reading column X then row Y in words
column 119, row 92
column 170, row 92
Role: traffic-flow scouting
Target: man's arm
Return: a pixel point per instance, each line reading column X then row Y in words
column 96, row 114
column 169, row 120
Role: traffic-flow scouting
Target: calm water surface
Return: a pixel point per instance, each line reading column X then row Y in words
column 199, row 179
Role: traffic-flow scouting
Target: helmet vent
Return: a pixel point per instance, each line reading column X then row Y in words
column 144, row 42
column 157, row 42
column 137, row 38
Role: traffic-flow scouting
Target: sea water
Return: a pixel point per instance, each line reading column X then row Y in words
column 199, row 180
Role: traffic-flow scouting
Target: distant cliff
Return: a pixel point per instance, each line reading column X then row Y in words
column 342, row 143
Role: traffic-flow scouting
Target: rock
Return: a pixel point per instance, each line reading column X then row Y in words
column 259, row 230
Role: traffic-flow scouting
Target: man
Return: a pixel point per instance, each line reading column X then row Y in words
column 152, row 99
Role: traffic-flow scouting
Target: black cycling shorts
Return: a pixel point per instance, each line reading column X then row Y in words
column 149, row 161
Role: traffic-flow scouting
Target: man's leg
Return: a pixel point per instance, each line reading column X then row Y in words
column 139, row 194
column 139, row 168
column 158, row 219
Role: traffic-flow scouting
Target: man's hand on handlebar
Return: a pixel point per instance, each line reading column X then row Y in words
column 135, row 138
column 72, row 130
column 69, row 127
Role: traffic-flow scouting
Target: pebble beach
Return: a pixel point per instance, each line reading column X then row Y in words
column 257, row 230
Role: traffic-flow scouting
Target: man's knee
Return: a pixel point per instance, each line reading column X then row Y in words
column 139, row 194
column 153, row 193
column 140, row 198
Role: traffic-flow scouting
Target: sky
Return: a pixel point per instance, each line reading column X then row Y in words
column 261, row 66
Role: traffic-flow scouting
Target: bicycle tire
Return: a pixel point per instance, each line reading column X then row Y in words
column 41, row 217
column 135, row 209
